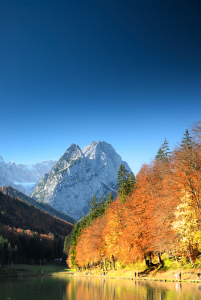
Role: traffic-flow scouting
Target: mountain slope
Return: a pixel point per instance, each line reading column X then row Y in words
column 78, row 176
column 9, row 190
column 18, row 214
column 23, row 177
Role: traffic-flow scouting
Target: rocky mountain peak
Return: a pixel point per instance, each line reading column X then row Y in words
column 78, row 176
column 74, row 151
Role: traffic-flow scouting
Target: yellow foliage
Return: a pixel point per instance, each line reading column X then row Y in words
column 186, row 223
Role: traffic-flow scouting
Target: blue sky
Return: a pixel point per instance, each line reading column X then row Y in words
column 126, row 72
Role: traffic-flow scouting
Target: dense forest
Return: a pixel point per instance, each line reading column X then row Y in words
column 9, row 190
column 155, row 214
column 29, row 235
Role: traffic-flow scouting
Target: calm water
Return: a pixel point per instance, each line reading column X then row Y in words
column 63, row 288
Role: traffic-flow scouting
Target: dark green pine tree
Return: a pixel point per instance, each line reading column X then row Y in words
column 66, row 243
column 100, row 208
column 16, row 255
column 122, row 182
column 109, row 199
column 94, row 204
column 10, row 254
column 122, row 178
column 160, row 154
column 163, row 152
column 102, row 201
column 66, row 247
column 165, row 148
column 186, row 143
column 131, row 182
column 5, row 252
column 73, row 242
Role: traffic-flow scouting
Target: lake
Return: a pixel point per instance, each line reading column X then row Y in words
column 85, row 288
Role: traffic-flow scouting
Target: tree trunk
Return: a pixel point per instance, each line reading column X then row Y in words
column 113, row 262
column 105, row 263
column 146, row 261
column 189, row 252
column 159, row 259
column 150, row 260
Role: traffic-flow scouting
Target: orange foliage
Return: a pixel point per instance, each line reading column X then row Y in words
column 91, row 247
column 131, row 231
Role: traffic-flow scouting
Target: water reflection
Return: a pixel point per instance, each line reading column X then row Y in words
column 79, row 288
column 110, row 289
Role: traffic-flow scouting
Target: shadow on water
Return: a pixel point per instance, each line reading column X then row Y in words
column 79, row 288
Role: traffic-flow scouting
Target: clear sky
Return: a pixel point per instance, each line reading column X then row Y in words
column 126, row 72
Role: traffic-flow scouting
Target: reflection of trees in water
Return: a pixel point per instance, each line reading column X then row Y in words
column 110, row 289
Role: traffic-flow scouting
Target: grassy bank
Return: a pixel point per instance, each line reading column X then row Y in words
column 136, row 271
column 186, row 275
column 24, row 270
column 166, row 272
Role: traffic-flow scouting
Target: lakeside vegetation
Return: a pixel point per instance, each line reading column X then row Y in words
column 25, row 270
column 157, row 221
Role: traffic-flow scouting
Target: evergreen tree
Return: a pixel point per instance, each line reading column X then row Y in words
column 66, row 245
column 102, row 201
column 122, row 177
column 73, row 242
column 109, row 199
column 131, row 182
column 160, row 154
column 163, row 152
column 165, row 148
column 16, row 255
column 186, row 143
column 41, row 251
column 34, row 247
column 93, row 204
column 10, row 256
column 123, row 182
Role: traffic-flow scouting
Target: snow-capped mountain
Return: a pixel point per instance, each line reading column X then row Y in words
column 78, row 176
column 23, row 177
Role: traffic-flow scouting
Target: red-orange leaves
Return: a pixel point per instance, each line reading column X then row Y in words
column 91, row 246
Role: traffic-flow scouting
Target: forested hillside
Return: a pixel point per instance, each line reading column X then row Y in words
column 29, row 235
column 16, row 213
column 43, row 206
column 157, row 213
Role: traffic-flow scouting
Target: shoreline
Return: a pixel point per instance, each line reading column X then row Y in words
column 187, row 275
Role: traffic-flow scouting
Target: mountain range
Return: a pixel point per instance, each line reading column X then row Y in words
column 79, row 175
column 23, row 177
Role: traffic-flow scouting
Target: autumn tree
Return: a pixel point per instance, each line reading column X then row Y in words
column 196, row 132
column 186, row 226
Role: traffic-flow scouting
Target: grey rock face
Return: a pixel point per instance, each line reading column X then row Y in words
column 23, row 177
column 78, row 176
